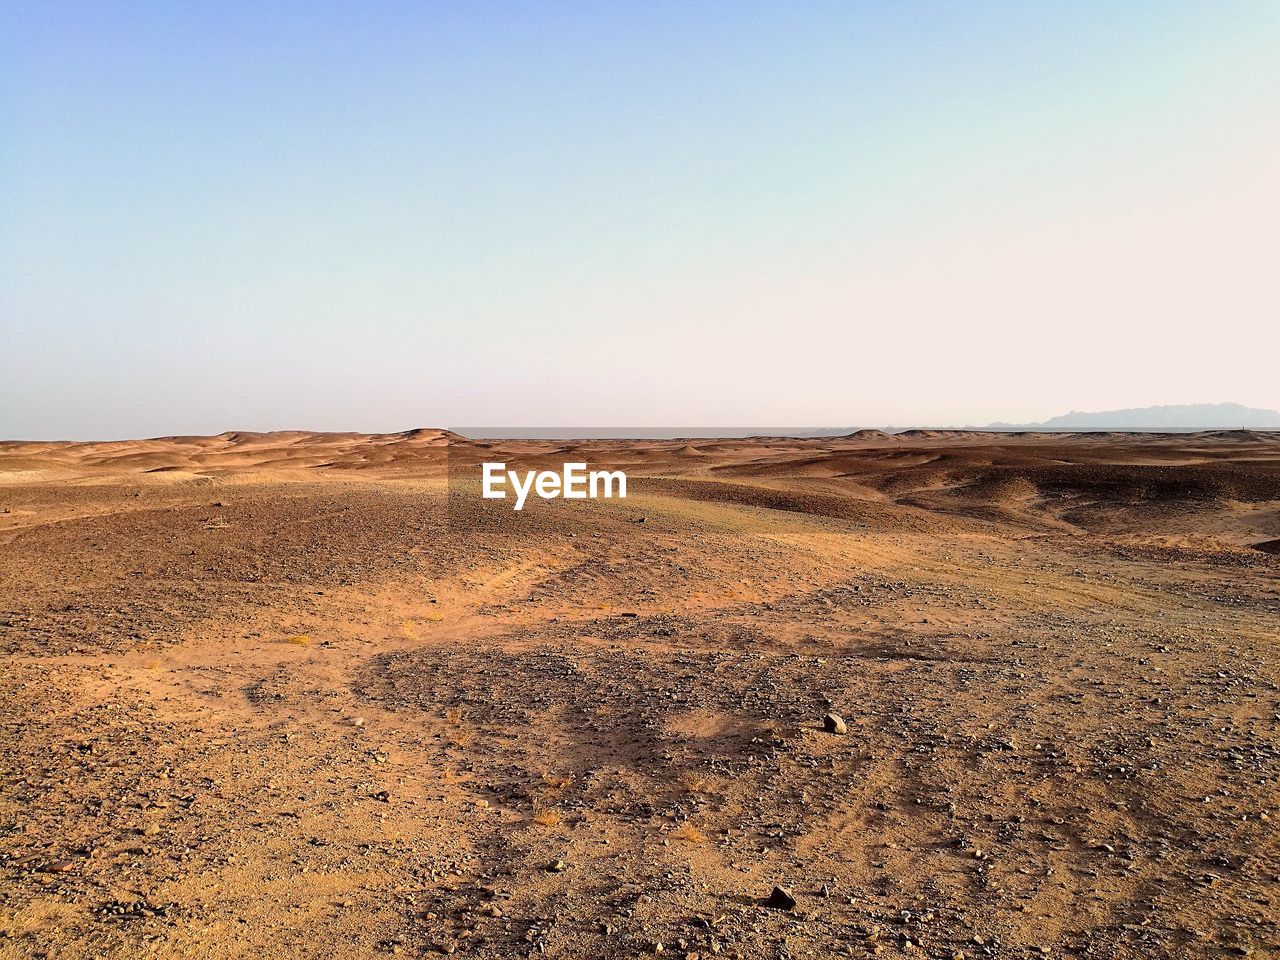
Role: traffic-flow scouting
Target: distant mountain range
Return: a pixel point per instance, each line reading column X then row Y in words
column 1174, row 417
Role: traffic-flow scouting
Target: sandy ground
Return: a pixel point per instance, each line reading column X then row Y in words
column 284, row 695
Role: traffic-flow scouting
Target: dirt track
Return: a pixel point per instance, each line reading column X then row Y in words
column 280, row 695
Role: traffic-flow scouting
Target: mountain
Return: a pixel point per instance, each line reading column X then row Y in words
column 1174, row 417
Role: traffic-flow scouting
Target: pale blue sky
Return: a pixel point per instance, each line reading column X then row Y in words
column 378, row 215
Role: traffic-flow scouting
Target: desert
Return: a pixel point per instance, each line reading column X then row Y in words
column 595, row 481
column 952, row 694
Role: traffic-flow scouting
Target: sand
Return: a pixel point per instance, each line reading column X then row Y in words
column 282, row 695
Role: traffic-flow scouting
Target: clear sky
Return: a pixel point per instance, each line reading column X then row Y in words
column 378, row 215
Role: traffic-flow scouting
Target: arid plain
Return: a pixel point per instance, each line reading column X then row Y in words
column 299, row 695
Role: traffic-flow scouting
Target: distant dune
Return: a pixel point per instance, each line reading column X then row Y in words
column 170, row 458
column 430, row 453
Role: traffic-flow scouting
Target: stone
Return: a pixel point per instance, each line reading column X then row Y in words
column 781, row 899
column 834, row 723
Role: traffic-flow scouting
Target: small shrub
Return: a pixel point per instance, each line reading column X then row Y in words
column 547, row 817
column 689, row 833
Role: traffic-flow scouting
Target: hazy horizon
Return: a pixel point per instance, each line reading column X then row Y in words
column 365, row 218
column 1177, row 419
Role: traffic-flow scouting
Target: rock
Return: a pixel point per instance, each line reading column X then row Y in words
column 834, row 723
column 781, row 899
column 557, row 866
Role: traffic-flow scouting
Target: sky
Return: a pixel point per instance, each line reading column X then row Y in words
column 378, row 215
